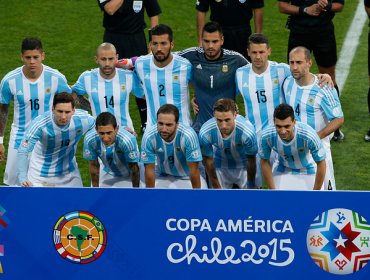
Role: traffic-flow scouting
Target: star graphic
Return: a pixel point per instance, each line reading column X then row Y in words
column 344, row 246
column 340, row 241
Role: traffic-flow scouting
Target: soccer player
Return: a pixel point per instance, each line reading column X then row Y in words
column 311, row 26
column 31, row 87
column 170, row 152
column 229, row 147
column 165, row 76
column 52, row 138
column 124, row 27
column 318, row 107
column 234, row 17
column 213, row 70
column 117, row 149
column 108, row 88
column 301, row 155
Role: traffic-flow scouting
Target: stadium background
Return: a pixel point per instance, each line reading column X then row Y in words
column 72, row 29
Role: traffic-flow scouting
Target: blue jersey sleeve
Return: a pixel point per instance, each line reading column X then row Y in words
column 137, row 87
column 131, row 150
column 147, row 150
column 63, row 85
column 205, row 145
column 90, row 147
column 192, row 148
column 265, row 149
column 79, row 86
column 5, row 92
column 331, row 104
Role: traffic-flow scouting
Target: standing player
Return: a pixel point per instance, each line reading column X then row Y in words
column 301, row 156
column 164, row 76
column 174, row 147
column 318, row 107
column 124, row 27
column 229, row 147
column 108, row 87
column 213, row 69
column 234, row 17
column 117, row 149
column 31, row 87
column 311, row 26
column 52, row 138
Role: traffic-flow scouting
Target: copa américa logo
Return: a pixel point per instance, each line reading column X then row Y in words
column 79, row 237
column 338, row 241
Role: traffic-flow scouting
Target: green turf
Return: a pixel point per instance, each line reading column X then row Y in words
column 72, row 29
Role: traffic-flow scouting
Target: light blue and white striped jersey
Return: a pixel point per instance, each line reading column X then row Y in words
column 230, row 152
column 116, row 156
column 313, row 105
column 110, row 95
column 262, row 93
column 171, row 157
column 167, row 85
column 53, row 147
column 300, row 154
column 31, row 99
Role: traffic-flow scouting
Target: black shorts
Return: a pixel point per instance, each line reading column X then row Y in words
column 236, row 39
column 368, row 55
column 320, row 41
column 127, row 45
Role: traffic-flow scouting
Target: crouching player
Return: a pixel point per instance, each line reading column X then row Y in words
column 229, row 147
column 170, row 152
column 301, row 155
column 118, row 152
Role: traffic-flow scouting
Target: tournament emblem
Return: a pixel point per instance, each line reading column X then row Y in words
column 338, row 241
column 225, row 68
column 137, row 6
column 79, row 237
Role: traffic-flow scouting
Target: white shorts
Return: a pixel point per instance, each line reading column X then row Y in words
column 72, row 179
column 10, row 174
column 172, row 182
column 289, row 181
column 230, row 177
column 107, row 180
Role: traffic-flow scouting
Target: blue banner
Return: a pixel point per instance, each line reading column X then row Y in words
column 91, row 233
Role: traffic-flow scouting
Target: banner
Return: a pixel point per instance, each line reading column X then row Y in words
column 92, row 233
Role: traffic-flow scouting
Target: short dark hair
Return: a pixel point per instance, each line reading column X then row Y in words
column 258, row 38
column 63, row 97
column 225, row 105
column 106, row 118
column 211, row 27
column 284, row 111
column 169, row 109
column 307, row 53
column 162, row 29
column 30, row 43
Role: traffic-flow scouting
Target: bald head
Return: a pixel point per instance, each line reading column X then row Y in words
column 304, row 50
column 106, row 47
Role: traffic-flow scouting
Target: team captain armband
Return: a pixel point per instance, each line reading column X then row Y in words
column 126, row 63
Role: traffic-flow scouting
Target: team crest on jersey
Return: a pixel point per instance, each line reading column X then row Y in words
column 301, row 150
column 275, row 82
column 225, row 68
column 176, row 77
column 47, row 90
column 178, row 149
column 118, row 151
column 137, row 6
column 123, row 87
column 310, row 100
column 338, row 241
column 79, row 131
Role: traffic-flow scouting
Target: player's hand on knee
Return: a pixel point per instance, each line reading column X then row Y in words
column 26, row 183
